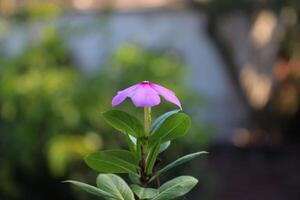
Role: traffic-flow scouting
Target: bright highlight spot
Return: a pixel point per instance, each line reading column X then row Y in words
column 263, row 28
column 83, row 4
column 257, row 86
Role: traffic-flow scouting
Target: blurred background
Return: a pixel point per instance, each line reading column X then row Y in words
column 234, row 64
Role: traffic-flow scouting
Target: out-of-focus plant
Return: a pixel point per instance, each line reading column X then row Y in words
column 43, row 101
column 40, row 97
column 145, row 143
column 46, row 10
column 70, row 147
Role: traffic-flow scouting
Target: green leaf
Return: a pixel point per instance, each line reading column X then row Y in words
column 177, row 162
column 161, row 119
column 135, row 143
column 131, row 143
column 112, row 161
column 151, row 158
column 115, row 185
column 173, row 127
column 124, row 122
column 164, row 146
column 90, row 189
column 176, row 187
column 144, row 193
column 139, row 148
column 133, row 139
column 134, row 178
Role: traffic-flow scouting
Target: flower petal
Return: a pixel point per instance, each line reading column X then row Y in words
column 145, row 96
column 167, row 94
column 122, row 95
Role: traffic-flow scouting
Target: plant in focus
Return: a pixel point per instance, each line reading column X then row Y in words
column 145, row 142
column 49, row 123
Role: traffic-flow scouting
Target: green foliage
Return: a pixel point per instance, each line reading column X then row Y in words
column 144, row 193
column 132, row 64
column 109, row 186
column 38, row 11
column 113, row 161
column 159, row 120
column 131, row 141
column 164, row 146
column 173, row 127
column 175, row 188
column 151, row 158
column 140, row 168
column 170, row 190
column 70, row 148
column 134, row 179
column 157, row 123
column 46, row 110
column 49, row 109
column 116, row 186
column 177, row 162
column 91, row 189
column 124, row 122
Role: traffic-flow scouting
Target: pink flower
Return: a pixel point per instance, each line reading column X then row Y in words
column 145, row 94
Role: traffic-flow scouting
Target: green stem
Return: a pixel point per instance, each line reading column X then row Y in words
column 144, row 144
column 147, row 123
column 147, row 120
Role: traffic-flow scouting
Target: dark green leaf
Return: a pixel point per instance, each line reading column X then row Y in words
column 124, row 122
column 144, row 193
column 177, row 162
column 135, row 144
column 134, row 178
column 139, row 148
column 164, row 146
column 173, row 127
column 112, row 161
column 131, row 143
column 161, row 119
column 176, row 187
column 151, row 158
column 115, row 185
column 90, row 189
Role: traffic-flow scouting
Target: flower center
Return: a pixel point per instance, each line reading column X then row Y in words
column 145, row 82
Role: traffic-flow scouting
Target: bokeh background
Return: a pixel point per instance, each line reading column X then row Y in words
column 234, row 64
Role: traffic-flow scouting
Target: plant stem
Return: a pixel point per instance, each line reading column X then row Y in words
column 144, row 147
column 147, row 123
column 147, row 120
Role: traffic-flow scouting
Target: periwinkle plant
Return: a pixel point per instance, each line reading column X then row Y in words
column 145, row 143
